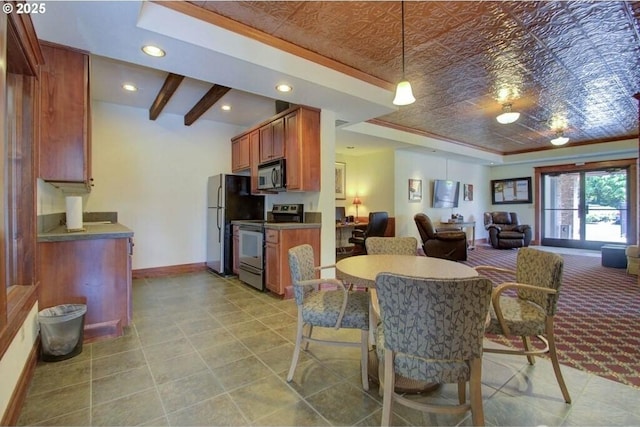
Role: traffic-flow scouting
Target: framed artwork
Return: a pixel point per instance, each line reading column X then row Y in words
column 511, row 191
column 341, row 181
column 415, row 189
column 468, row 192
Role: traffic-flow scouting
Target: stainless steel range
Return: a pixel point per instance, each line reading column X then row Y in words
column 251, row 237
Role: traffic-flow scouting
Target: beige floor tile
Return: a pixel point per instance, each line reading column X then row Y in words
column 114, row 386
column 297, row 414
column 241, row 372
column 218, row 411
column 103, row 366
column 343, row 404
column 179, row 367
column 55, row 403
column 188, row 391
column 129, row 410
column 50, row 376
column 263, row 397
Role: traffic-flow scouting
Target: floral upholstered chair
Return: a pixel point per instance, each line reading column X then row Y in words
column 432, row 330
column 530, row 313
column 391, row 245
column 326, row 308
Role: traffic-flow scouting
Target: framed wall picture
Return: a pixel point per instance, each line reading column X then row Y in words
column 468, row 192
column 511, row 191
column 415, row 189
column 341, row 181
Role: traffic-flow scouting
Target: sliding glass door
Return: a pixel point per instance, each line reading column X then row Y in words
column 585, row 209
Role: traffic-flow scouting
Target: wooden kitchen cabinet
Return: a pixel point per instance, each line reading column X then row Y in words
column 302, row 146
column 278, row 243
column 95, row 272
column 65, row 134
column 236, row 249
column 240, row 153
column 272, row 145
column 254, row 154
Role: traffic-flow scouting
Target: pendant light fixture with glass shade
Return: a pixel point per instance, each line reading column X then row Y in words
column 507, row 116
column 560, row 139
column 404, row 94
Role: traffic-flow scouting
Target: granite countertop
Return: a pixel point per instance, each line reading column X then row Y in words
column 97, row 230
column 280, row 225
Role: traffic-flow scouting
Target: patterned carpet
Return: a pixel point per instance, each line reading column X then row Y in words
column 598, row 319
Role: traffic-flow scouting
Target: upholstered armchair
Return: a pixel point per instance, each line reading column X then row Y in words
column 326, row 308
column 530, row 312
column 444, row 243
column 376, row 227
column 432, row 331
column 505, row 230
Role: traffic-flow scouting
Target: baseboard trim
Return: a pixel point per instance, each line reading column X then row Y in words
column 170, row 270
column 19, row 395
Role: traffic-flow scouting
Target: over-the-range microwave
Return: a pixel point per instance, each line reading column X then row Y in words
column 271, row 176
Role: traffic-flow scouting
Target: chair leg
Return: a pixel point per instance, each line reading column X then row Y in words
column 306, row 344
column 296, row 351
column 389, row 385
column 475, row 392
column 462, row 392
column 364, row 359
column 526, row 342
column 553, row 355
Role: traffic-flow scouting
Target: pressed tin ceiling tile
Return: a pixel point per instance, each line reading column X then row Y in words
column 579, row 60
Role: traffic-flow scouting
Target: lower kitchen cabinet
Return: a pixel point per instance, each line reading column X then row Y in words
column 278, row 243
column 95, row 272
column 236, row 249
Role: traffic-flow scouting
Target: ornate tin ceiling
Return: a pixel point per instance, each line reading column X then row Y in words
column 573, row 62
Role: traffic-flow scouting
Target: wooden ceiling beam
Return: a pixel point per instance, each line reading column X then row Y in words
column 170, row 85
column 211, row 97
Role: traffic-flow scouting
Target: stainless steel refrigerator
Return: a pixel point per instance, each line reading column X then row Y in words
column 229, row 198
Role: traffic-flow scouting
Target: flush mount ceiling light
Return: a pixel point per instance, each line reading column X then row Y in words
column 404, row 94
column 283, row 87
column 154, row 51
column 129, row 87
column 226, row 108
column 507, row 115
column 560, row 139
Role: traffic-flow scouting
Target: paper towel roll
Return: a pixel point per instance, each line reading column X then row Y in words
column 74, row 212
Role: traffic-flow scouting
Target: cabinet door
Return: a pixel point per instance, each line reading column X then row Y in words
column 277, row 144
column 272, row 266
column 254, row 154
column 302, row 138
column 266, row 143
column 294, row 159
column 64, row 116
column 240, row 158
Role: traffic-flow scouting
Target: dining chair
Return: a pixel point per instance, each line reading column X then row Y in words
column 432, row 331
column 531, row 311
column 391, row 245
column 329, row 308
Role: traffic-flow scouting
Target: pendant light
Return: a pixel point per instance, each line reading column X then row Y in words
column 404, row 94
column 560, row 139
column 508, row 115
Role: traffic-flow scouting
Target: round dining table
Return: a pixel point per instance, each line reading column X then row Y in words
column 362, row 270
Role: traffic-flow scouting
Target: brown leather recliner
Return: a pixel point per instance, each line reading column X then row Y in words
column 443, row 243
column 505, row 230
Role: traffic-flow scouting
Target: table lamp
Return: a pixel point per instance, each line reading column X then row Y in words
column 357, row 201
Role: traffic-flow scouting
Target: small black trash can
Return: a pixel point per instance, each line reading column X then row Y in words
column 61, row 331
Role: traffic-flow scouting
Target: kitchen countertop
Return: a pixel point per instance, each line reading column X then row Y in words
column 92, row 231
column 280, row 225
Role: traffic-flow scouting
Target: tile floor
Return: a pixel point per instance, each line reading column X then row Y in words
column 205, row 350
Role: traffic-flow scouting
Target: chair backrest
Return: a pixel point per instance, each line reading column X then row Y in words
column 501, row 217
column 391, row 245
column 377, row 224
column 425, row 227
column 539, row 268
column 434, row 318
column 301, row 267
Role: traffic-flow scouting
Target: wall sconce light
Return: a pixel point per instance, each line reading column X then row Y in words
column 357, row 202
column 507, row 116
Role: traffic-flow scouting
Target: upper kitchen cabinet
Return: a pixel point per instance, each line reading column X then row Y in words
column 240, row 153
column 65, row 136
column 272, row 141
column 302, row 146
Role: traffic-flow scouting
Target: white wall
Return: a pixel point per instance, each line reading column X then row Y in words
column 413, row 165
column 14, row 359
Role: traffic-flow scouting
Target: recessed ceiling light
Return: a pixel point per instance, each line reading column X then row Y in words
column 283, row 87
column 153, row 51
column 226, row 107
column 129, row 87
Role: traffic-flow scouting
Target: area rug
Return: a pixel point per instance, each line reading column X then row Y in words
column 598, row 318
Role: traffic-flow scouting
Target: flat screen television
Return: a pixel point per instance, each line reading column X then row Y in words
column 445, row 193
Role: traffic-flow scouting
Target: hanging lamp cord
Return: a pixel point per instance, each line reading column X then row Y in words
column 402, row 12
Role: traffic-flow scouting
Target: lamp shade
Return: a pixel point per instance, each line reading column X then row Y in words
column 560, row 139
column 506, row 118
column 357, row 201
column 404, row 94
